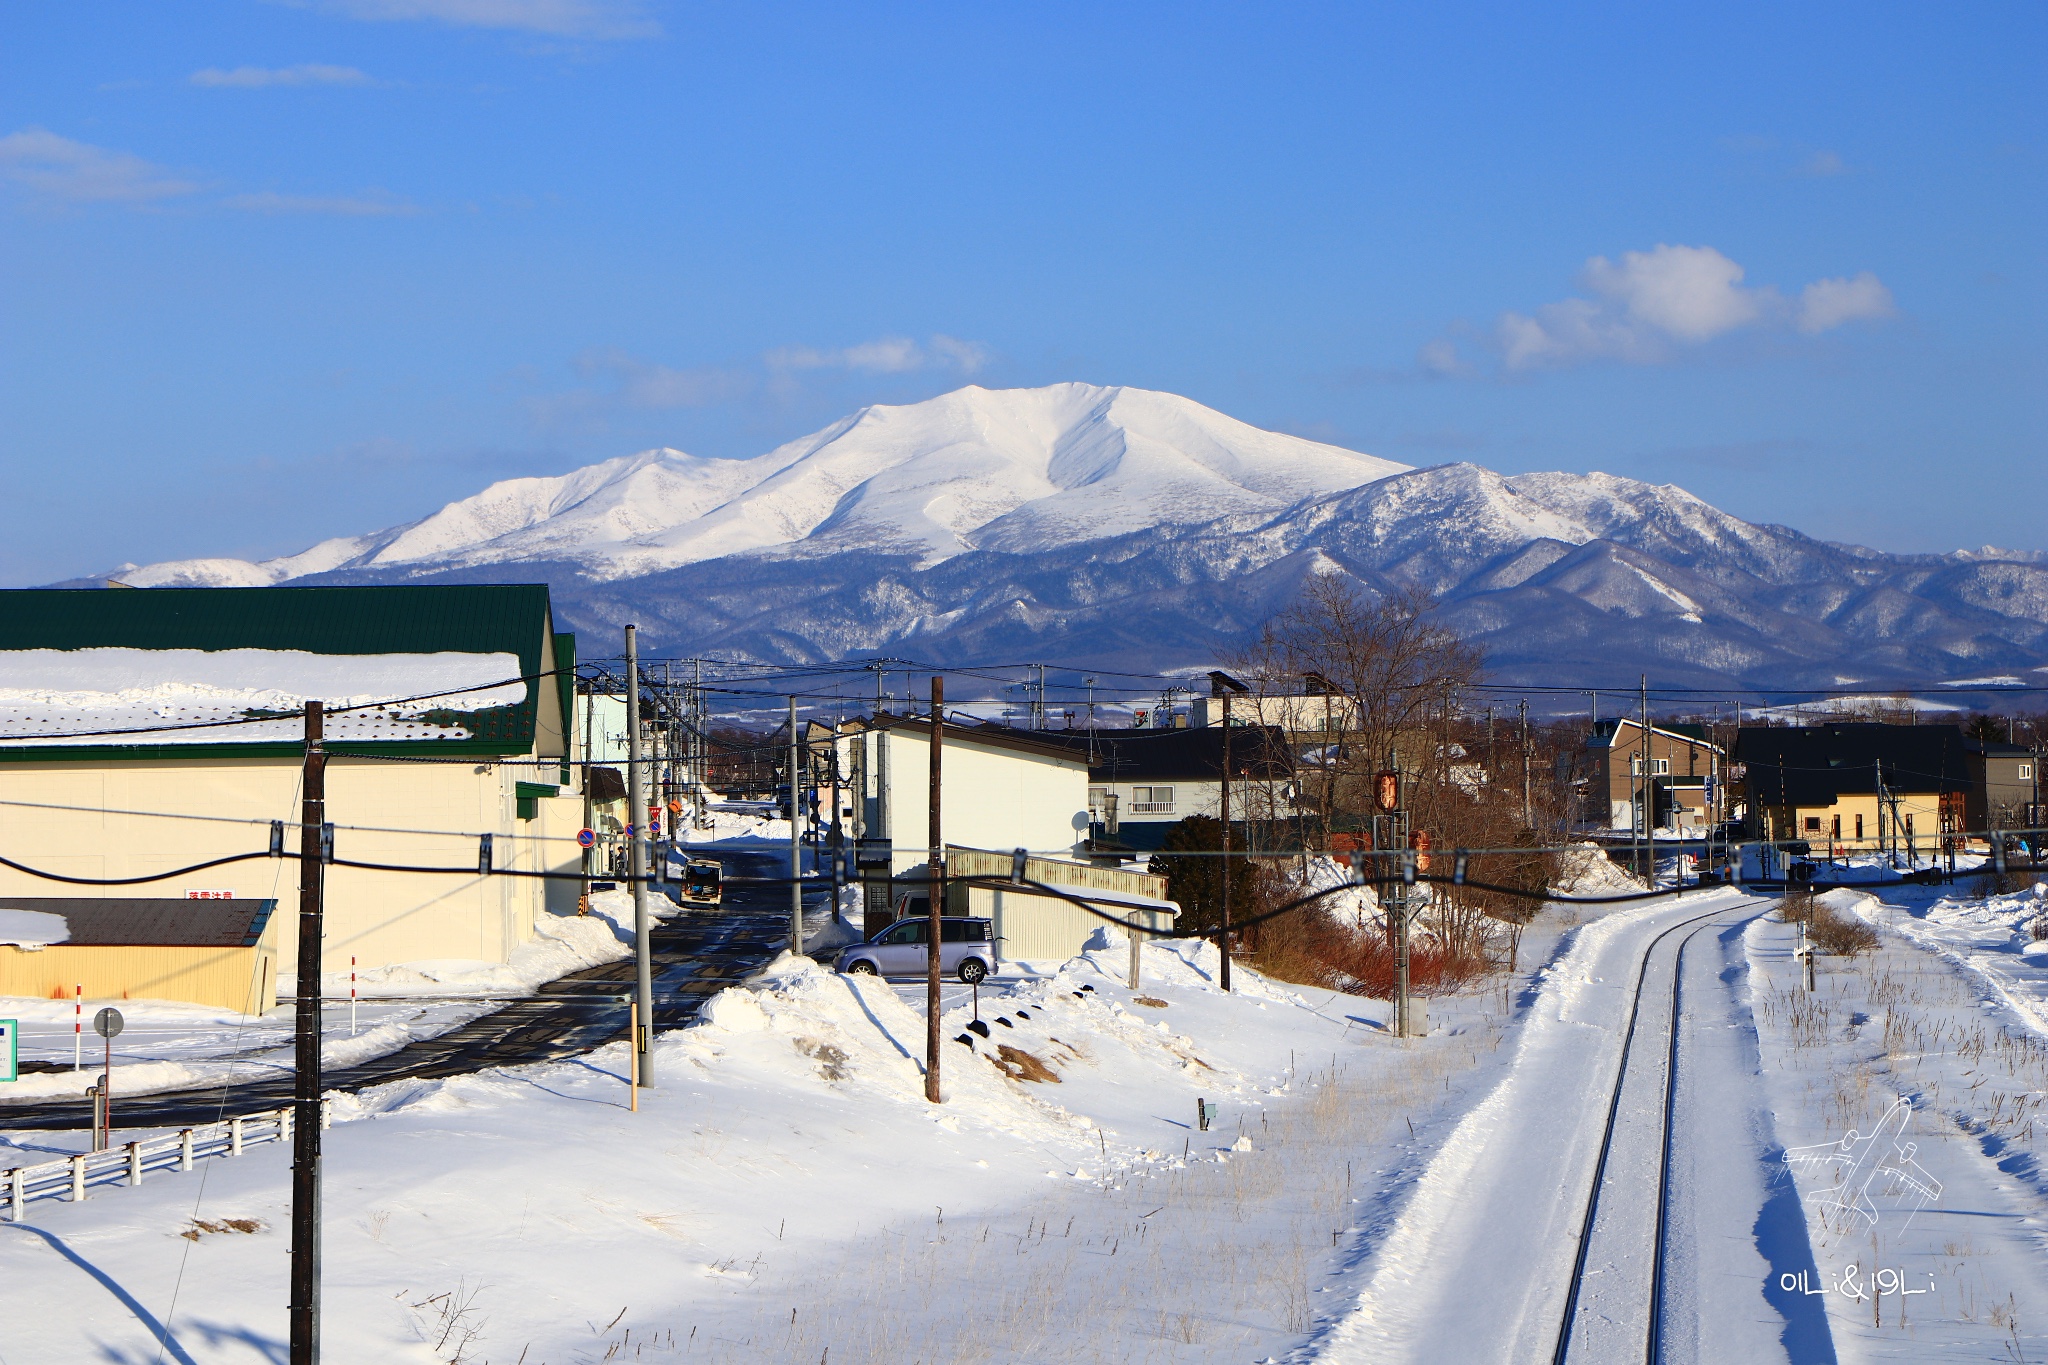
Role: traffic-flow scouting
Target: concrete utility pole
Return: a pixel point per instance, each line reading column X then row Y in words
column 636, row 865
column 305, row 1267
column 935, row 894
column 796, row 848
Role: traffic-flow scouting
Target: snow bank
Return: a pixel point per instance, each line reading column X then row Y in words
column 1992, row 937
column 1586, row 870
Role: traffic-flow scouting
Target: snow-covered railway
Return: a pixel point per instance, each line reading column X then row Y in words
column 1613, row 1307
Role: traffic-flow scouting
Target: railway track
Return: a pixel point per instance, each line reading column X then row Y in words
column 1614, row 1308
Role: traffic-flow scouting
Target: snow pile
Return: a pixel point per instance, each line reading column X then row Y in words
column 1993, row 937
column 1355, row 907
column 224, row 695
column 32, row 929
column 1586, row 870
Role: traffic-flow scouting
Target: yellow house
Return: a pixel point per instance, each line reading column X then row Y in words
column 204, row 952
column 1855, row 787
column 143, row 731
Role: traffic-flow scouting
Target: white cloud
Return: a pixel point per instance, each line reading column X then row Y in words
column 1649, row 303
column 80, row 173
column 259, row 77
column 371, row 204
column 1824, row 163
column 662, row 386
column 1440, row 358
column 606, row 19
column 1830, row 303
column 885, row 355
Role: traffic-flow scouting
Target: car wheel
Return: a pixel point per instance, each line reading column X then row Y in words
column 973, row 970
column 862, row 968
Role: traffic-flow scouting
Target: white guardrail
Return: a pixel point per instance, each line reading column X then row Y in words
column 71, row 1177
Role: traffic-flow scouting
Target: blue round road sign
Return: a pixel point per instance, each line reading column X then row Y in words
column 586, row 837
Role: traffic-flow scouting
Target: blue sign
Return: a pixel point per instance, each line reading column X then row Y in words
column 10, row 1050
column 586, row 837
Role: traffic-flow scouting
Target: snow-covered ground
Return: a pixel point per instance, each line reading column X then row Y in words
column 785, row 1193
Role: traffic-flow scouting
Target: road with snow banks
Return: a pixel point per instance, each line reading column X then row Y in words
column 1600, row 1205
column 696, row 955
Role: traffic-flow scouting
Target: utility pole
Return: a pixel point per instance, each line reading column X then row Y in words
column 1528, row 816
column 1646, row 853
column 305, row 1270
column 1224, row 686
column 796, row 856
column 636, row 812
column 935, row 894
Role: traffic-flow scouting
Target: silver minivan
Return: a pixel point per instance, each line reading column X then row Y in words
column 966, row 950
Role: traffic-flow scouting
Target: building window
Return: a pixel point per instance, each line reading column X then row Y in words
column 1151, row 800
column 1813, row 824
column 1659, row 767
column 2026, row 770
column 1835, row 828
column 1859, row 829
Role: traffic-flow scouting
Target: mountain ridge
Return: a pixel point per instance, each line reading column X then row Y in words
column 1093, row 524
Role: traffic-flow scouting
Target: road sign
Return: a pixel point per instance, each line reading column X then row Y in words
column 586, row 837
column 10, row 1050
column 108, row 1022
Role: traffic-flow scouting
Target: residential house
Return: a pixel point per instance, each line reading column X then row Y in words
column 1675, row 767
column 146, row 730
column 2005, row 785
column 1855, row 786
column 1001, row 789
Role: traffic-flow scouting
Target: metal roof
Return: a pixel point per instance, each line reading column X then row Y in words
column 1814, row 765
column 152, row 920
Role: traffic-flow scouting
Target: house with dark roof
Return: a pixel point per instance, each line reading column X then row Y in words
column 1142, row 782
column 1855, row 786
column 1655, row 777
column 204, row 952
column 147, row 730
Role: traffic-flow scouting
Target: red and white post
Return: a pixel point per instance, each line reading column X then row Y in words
column 351, row 997
column 78, row 1027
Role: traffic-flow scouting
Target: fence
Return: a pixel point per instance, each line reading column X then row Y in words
column 71, row 1177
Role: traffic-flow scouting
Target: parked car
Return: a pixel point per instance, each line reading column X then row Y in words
column 966, row 949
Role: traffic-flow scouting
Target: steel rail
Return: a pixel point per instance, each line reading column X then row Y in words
column 1571, row 1303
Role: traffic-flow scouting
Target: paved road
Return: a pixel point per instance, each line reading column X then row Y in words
column 696, row 955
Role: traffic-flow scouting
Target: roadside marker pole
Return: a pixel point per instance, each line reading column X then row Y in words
column 935, row 896
column 636, row 808
column 351, row 997
column 305, row 1249
column 633, row 1055
column 78, row 1027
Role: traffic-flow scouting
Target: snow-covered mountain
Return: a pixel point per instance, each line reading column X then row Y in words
column 1012, row 469
column 1095, row 525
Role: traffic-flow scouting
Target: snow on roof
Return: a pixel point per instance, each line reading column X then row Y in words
column 234, row 696
column 32, row 928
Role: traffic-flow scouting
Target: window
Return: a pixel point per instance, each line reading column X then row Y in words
column 1659, row 767
column 1813, row 824
column 1859, row 829
column 1151, row 800
column 963, row 931
column 906, row 931
column 2026, row 770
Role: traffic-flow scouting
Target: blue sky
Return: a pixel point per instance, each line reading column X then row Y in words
column 272, row 272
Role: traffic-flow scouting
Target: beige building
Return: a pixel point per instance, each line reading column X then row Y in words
column 143, row 731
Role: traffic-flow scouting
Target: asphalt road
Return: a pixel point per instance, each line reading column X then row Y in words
column 696, row 955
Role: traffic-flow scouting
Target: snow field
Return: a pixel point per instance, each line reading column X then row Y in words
column 1915, row 1048
column 785, row 1190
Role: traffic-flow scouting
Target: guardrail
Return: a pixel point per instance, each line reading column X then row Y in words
column 72, row 1177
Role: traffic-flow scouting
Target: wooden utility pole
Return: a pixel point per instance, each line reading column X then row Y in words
column 1224, row 942
column 935, row 896
column 1646, row 860
column 1528, row 818
column 636, row 865
column 305, row 1270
